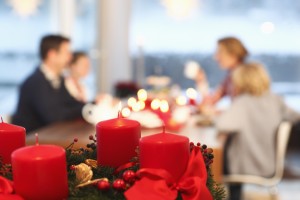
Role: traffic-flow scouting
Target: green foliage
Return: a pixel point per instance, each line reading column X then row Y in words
column 215, row 188
column 91, row 192
column 77, row 156
column 5, row 170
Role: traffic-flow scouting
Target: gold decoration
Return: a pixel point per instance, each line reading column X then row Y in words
column 92, row 182
column 83, row 173
column 92, row 163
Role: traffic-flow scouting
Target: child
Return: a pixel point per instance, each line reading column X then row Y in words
column 251, row 122
column 79, row 68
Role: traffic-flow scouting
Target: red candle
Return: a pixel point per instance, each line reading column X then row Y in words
column 40, row 172
column 10, row 197
column 12, row 137
column 165, row 151
column 117, row 140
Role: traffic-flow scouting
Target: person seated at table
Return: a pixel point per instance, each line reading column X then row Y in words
column 230, row 53
column 78, row 69
column 43, row 97
column 250, row 125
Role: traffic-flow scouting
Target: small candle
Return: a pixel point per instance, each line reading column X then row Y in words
column 165, row 151
column 12, row 137
column 117, row 140
column 40, row 172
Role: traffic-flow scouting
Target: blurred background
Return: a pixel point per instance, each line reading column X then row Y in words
column 161, row 36
column 130, row 40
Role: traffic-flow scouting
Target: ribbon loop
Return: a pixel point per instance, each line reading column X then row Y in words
column 5, row 186
column 160, row 185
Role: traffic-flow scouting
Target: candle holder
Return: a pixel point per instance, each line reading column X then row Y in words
column 115, row 183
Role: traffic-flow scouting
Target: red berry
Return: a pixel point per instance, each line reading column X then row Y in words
column 210, row 150
column 129, row 176
column 75, row 139
column 72, row 167
column 103, row 185
column 91, row 137
column 198, row 144
column 119, row 184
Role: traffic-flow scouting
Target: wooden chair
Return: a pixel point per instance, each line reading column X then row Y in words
column 271, row 183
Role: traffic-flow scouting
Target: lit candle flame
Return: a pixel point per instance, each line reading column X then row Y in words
column 119, row 109
column 36, row 139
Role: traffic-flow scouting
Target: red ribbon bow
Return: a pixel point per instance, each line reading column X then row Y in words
column 158, row 184
column 6, row 190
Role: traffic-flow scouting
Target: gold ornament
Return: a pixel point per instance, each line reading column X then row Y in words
column 83, row 173
column 92, row 182
column 92, row 163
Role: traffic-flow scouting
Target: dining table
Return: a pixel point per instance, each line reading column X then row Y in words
column 63, row 134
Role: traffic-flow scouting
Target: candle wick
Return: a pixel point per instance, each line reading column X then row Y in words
column 120, row 108
column 36, row 139
column 164, row 128
column 1, row 119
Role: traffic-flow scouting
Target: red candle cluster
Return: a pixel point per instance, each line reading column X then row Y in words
column 117, row 140
column 12, row 137
column 40, row 172
column 165, row 151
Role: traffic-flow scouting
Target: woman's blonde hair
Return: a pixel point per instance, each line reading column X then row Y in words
column 251, row 78
column 235, row 47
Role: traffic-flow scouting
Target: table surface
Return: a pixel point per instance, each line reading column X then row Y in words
column 63, row 134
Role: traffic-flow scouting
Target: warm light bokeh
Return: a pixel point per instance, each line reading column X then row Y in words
column 131, row 101
column 181, row 100
column 155, row 104
column 126, row 112
column 142, row 95
column 191, row 93
column 164, row 106
column 141, row 105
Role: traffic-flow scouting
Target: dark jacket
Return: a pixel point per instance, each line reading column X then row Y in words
column 40, row 104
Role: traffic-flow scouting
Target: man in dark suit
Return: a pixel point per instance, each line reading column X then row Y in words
column 44, row 98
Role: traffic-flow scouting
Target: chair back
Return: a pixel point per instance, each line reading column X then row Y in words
column 283, row 135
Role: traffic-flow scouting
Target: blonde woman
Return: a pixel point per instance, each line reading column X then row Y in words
column 251, row 122
column 230, row 53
